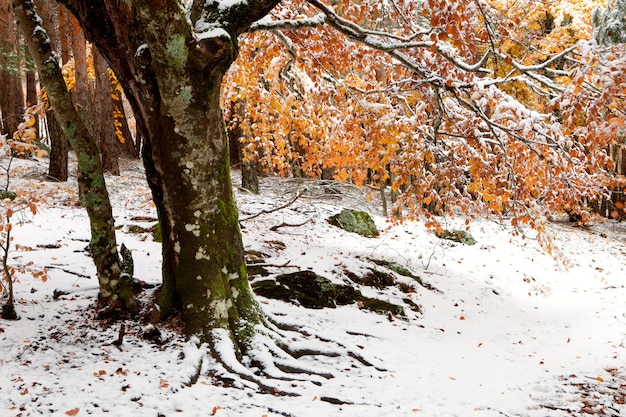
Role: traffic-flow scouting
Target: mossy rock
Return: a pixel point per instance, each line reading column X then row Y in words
column 305, row 287
column 355, row 221
column 271, row 289
column 314, row 291
column 381, row 307
column 460, row 236
column 374, row 278
column 401, row 270
column 254, row 257
column 347, row 294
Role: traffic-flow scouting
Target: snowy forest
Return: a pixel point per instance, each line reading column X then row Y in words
column 312, row 208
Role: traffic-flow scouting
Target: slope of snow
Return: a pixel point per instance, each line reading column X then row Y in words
column 510, row 331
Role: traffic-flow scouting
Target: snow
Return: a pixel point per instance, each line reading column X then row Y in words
column 510, row 331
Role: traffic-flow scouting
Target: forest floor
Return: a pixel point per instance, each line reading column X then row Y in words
column 505, row 329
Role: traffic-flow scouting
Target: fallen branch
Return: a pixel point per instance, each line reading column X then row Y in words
column 293, row 200
column 275, row 228
column 78, row 274
column 285, row 265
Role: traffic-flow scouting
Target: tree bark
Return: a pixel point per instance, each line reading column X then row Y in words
column 249, row 172
column 83, row 90
column 172, row 80
column 92, row 189
column 11, row 91
column 104, row 124
column 58, row 165
column 58, row 159
column 129, row 148
column 64, row 34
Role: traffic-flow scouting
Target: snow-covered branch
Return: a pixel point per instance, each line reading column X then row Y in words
column 288, row 24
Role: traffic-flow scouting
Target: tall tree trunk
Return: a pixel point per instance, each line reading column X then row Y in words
column 65, row 30
column 249, row 172
column 173, row 82
column 58, row 159
column 129, row 148
column 92, row 189
column 82, row 89
column 11, row 91
column 104, row 124
column 58, row 166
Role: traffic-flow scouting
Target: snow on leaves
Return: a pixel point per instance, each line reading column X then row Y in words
column 471, row 106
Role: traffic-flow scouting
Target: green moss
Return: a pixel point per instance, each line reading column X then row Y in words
column 185, row 95
column 355, row 221
column 70, row 132
column 460, row 236
column 157, row 234
column 177, row 51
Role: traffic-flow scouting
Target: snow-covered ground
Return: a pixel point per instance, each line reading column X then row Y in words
column 510, row 331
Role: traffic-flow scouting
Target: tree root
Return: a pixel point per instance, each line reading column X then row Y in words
column 270, row 364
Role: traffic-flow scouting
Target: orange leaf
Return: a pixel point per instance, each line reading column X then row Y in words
column 72, row 412
column 163, row 383
column 462, row 318
column 215, row 409
column 599, row 378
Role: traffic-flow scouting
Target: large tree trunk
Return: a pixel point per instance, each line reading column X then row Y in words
column 173, row 81
column 92, row 190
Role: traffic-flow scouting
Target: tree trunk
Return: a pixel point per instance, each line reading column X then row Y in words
column 58, row 165
column 104, row 124
column 92, row 189
column 249, row 173
column 58, row 159
column 129, row 148
column 82, row 89
column 173, row 79
column 11, row 92
column 64, row 34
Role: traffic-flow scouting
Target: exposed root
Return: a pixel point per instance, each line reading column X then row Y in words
column 223, row 351
column 271, row 362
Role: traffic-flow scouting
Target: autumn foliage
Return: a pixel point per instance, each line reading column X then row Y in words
column 501, row 108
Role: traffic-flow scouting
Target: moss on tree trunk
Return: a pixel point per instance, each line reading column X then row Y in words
column 92, row 190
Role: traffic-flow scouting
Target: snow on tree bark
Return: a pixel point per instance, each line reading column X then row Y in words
column 171, row 70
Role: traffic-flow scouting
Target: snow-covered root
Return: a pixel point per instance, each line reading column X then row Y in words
column 324, row 345
column 223, row 351
column 272, row 362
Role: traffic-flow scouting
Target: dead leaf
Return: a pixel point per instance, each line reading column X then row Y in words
column 72, row 412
